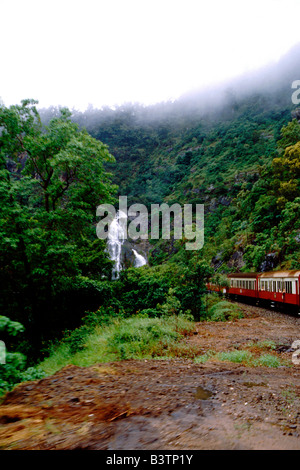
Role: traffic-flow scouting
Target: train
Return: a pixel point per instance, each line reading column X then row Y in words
column 276, row 289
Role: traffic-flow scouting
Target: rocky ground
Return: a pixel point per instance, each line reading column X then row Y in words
column 168, row 404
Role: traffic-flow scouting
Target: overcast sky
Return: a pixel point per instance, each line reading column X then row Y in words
column 108, row 52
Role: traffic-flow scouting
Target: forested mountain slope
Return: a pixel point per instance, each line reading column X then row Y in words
column 220, row 148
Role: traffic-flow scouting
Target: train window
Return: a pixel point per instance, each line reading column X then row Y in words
column 279, row 287
column 274, row 286
column 288, row 287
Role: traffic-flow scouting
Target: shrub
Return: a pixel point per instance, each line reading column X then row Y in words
column 224, row 311
column 13, row 364
column 103, row 316
column 14, row 372
column 149, row 313
column 76, row 339
column 172, row 306
column 9, row 326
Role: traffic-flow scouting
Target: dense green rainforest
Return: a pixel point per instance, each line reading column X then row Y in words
column 236, row 150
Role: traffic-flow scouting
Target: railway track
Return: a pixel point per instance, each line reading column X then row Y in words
column 268, row 312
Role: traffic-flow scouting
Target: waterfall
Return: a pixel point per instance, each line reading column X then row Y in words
column 115, row 240
column 139, row 259
column 116, row 237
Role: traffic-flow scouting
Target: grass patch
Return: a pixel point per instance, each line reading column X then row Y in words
column 236, row 356
column 268, row 360
column 124, row 338
column 204, row 357
column 267, row 345
column 244, row 357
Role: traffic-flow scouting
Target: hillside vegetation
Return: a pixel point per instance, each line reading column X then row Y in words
column 241, row 161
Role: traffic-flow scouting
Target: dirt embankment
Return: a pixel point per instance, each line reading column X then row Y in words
column 168, row 404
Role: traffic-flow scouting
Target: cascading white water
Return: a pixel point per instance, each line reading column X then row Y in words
column 116, row 237
column 115, row 241
column 139, row 259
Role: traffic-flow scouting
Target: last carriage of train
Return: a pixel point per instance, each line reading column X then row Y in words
column 276, row 289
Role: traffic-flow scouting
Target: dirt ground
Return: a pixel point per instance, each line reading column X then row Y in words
column 168, row 404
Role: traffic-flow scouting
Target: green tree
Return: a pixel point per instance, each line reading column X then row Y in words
column 287, row 174
column 290, row 134
column 51, row 180
column 192, row 287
